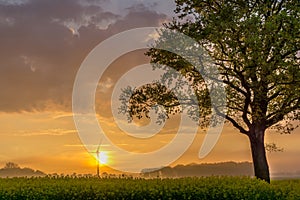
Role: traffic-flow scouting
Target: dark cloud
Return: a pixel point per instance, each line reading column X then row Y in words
column 13, row 2
column 43, row 43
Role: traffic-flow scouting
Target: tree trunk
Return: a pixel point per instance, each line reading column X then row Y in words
column 261, row 168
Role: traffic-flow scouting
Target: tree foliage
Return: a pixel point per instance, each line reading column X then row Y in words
column 256, row 46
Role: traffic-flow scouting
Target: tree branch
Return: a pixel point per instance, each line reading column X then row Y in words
column 234, row 123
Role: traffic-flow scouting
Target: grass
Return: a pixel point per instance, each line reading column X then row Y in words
column 117, row 188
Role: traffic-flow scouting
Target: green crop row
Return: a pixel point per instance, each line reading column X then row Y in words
column 130, row 188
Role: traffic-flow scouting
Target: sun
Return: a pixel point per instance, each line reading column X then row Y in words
column 103, row 157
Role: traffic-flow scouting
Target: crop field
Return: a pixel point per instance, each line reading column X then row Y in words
column 130, row 188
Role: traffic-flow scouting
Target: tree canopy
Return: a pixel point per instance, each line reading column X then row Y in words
column 256, row 47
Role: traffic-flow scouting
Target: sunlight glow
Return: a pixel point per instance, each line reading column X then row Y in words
column 103, row 157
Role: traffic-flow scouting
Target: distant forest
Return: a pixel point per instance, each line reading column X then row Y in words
column 13, row 170
column 190, row 170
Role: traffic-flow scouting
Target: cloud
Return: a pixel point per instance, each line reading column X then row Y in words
column 90, row 15
column 13, row 2
column 7, row 21
column 29, row 62
column 124, row 7
column 105, row 86
column 48, row 132
column 44, row 42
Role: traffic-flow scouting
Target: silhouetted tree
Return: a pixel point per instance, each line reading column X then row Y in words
column 256, row 47
column 11, row 165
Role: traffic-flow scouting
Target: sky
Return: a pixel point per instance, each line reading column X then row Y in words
column 42, row 46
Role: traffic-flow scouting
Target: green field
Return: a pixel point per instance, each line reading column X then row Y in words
column 129, row 188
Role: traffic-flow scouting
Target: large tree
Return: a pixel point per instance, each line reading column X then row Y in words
column 256, row 46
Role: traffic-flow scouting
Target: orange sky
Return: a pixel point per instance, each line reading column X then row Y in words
column 49, row 142
column 41, row 50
